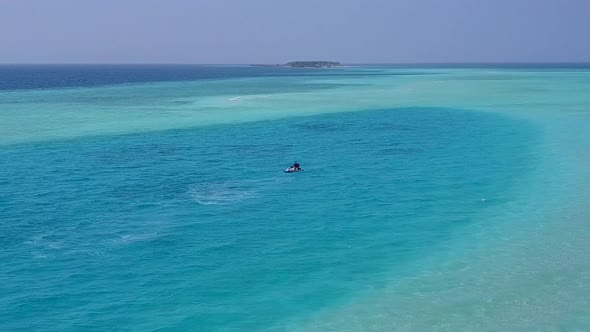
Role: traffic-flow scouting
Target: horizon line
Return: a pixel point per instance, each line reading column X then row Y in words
column 273, row 63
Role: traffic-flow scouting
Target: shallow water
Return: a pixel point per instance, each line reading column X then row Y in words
column 432, row 199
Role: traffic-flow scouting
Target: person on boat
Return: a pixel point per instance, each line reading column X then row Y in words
column 296, row 166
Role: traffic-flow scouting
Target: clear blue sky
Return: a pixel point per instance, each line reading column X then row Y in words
column 271, row 31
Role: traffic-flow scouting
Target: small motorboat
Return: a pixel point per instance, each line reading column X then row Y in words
column 293, row 170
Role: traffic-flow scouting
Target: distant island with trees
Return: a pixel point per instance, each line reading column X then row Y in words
column 305, row 64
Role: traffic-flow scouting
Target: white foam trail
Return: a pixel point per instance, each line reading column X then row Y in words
column 231, row 192
column 132, row 238
column 220, row 193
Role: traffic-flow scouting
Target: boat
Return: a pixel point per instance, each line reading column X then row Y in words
column 293, row 170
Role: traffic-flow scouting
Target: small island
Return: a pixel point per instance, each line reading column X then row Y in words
column 305, row 64
column 313, row 64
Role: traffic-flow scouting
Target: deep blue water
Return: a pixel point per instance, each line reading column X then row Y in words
column 25, row 77
column 199, row 229
column 541, row 66
column 16, row 77
column 22, row 77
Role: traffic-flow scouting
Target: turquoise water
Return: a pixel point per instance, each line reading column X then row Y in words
column 432, row 199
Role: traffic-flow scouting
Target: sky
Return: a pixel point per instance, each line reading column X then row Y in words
column 277, row 31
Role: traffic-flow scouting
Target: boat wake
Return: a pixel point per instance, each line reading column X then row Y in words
column 224, row 193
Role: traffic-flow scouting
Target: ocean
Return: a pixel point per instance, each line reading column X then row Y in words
column 433, row 198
